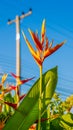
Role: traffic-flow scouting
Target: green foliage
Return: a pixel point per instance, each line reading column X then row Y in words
column 64, row 122
column 7, row 109
column 57, row 119
column 27, row 113
column 67, row 121
column 2, row 116
column 55, row 125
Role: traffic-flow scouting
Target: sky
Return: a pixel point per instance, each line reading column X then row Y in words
column 59, row 26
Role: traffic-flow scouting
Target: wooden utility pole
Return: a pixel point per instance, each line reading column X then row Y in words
column 18, row 55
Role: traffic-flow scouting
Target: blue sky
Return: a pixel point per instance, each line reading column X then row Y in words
column 59, row 26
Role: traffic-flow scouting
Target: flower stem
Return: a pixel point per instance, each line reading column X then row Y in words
column 40, row 101
column 17, row 95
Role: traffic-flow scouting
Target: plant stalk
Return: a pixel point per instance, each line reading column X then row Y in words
column 17, row 95
column 40, row 100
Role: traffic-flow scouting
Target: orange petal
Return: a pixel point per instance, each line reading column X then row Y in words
column 0, row 86
column 50, row 51
column 34, row 54
column 36, row 40
column 51, row 44
column 15, row 76
column 47, row 43
column 1, row 96
column 11, row 104
column 12, row 87
column 33, row 127
column 38, row 61
column 4, row 78
column 20, row 82
column 29, row 45
column 9, row 89
column 21, row 97
column 43, row 30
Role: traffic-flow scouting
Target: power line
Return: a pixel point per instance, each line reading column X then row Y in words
column 71, row 81
column 59, row 32
column 67, row 29
column 60, row 76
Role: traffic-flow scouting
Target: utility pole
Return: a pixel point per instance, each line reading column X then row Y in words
column 18, row 55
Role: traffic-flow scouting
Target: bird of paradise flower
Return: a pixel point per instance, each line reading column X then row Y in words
column 10, row 88
column 43, row 50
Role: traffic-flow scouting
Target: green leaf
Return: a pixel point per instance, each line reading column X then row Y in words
column 27, row 113
column 47, row 94
column 46, row 123
column 8, row 98
column 67, row 121
column 55, row 124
